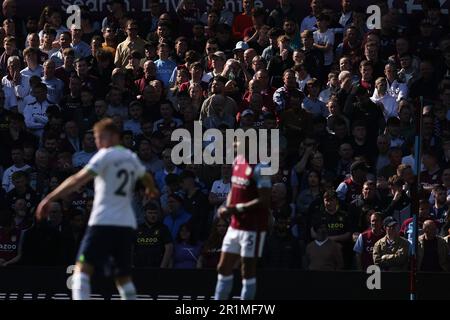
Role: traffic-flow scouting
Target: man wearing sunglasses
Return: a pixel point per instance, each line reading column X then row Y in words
column 132, row 43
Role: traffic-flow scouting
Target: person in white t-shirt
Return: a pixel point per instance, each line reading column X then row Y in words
column 381, row 96
column 112, row 223
column 220, row 188
column 324, row 41
column 18, row 165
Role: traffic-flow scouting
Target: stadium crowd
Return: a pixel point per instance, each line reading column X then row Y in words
column 344, row 97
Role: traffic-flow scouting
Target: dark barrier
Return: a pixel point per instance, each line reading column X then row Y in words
column 168, row 284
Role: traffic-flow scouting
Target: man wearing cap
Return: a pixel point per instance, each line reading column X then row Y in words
column 218, row 63
column 247, row 119
column 351, row 188
column 239, row 50
column 390, row 253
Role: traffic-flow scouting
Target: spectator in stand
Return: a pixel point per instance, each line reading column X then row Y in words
column 439, row 210
column 196, row 202
column 81, row 48
column 82, row 157
column 311, row 103
column 55, row 87
column 132, row 42
column 432, row 254
column 22, row 190
column 243, row 20
column 154, row 245
column 177, row 215
column 365, row 242
column 324, row 41
column 282, row 249
column 351, row 188
column 18, row 165
column 390, row 253
column 186, row 250
column 310, row 21
column 164, row 66
column 11, row 239
column 323, row 254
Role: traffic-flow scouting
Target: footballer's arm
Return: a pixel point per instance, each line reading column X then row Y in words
column 68, row 186
column 150, row 187
column 263, row 201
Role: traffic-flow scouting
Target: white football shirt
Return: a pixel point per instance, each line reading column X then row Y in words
column 117, row 169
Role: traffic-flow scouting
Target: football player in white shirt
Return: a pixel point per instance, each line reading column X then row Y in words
column 112, row 223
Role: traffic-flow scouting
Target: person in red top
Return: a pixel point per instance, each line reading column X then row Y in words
column 149, row 75
column 244, row 20
column 248, row 205
column 351, row 188
column 366, row 240
column 367, row 81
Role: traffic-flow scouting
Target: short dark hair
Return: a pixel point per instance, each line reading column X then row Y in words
column 323, row 17
column 330, row 194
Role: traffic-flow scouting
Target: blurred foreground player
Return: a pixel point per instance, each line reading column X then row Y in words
column 112, row 224
column 248, row 205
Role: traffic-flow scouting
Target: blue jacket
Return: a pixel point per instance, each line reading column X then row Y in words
column 175, row 222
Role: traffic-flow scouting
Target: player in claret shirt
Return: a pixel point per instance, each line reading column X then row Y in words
column 248, row 205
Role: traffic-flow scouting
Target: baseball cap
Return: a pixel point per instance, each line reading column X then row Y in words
column 247, row 112
column 358, row 165
column 220, row 54
column 389, row 222
column 241, row 45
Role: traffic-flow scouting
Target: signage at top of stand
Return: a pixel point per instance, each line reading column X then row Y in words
column 141, row 8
